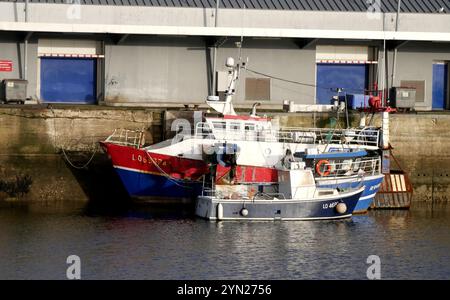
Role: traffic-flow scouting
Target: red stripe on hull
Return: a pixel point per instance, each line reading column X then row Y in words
column 139, row 159
column 180, row 167
column 245, row 118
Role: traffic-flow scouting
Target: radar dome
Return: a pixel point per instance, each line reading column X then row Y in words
column 230, row 62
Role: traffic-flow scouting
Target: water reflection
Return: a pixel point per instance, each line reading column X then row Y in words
column 161, row 242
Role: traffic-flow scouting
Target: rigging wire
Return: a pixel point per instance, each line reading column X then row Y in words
column 168, row 176
column 305, row 84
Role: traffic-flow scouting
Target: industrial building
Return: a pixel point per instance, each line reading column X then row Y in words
column 172, row 52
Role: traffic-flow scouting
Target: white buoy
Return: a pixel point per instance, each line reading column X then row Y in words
column 336, row 102
column 341, row 208
column 244, row 212
column 219, row 211
column 342, row 106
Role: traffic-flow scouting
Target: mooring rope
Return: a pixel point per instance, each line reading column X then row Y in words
column 168, row 176
column 63, row 150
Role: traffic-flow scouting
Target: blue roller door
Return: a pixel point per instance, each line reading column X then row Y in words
column 440, row 80
column 68, row 80
column 352, row 78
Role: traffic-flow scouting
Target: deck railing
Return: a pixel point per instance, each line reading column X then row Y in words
column 356, row 136
column 268, row 196
column 359, row 167
column 367, row 136
column 127, row 137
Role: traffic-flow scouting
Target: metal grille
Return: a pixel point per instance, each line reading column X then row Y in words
column 257, row 89
column 395, row 192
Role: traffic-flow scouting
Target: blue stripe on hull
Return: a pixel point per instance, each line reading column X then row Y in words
column 371, row 184
column 363, row 205
column 149, row 185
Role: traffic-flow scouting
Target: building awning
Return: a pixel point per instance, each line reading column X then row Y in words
column 70, row 55
column 224, row 31
column 334, row 61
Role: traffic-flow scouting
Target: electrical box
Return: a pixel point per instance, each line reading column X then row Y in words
column 403, row 97
column 13, row 90
column 223, row 79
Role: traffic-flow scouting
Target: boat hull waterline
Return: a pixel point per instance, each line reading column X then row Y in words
column 211, row 208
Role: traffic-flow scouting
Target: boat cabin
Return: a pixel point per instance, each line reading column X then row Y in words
column 298, row 183
column 230, row 127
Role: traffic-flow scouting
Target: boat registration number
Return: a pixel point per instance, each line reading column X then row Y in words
column 330, row 205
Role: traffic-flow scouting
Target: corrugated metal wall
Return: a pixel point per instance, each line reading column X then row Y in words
column 410, row 6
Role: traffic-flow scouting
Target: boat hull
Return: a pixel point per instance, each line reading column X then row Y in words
column 148, row 176
column 212, row 208
column 371, row 186
column 145, row 186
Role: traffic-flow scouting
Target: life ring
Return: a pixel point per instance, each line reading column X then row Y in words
column 319, row 167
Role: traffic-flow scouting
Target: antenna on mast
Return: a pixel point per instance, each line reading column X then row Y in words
column 239, row 44
column 225, row 106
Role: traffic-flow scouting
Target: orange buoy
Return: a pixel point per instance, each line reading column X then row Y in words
column 319, row 170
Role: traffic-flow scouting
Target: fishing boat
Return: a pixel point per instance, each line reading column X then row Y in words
column 174, row 168
column 297, row 197
column 339, row 169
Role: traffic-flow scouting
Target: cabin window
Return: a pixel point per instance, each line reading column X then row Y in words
column 325, row 193
column 249, row 127
column 306, row 178
column 235, row 126
column 219, row 125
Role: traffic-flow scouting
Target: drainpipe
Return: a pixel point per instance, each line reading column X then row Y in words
column 25, row 46
column 26, row 11
column 25, row 58
column 213, row 89
column 399, row 4
column 394, row 59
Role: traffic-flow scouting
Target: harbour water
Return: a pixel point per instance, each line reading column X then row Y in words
column 148, row 242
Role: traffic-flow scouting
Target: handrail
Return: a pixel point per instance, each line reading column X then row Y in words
column 366, row 166
column 126, row 137
column 269, row 195
column 354, row 136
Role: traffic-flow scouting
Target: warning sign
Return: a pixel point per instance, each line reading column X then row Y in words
column 6, row 66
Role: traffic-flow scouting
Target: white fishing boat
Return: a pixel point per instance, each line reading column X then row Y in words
column 297, row 197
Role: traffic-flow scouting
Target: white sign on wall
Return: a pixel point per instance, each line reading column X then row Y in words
column 344, row 53
column 68, row 47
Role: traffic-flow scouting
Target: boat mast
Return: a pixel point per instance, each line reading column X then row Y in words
column 225, row 106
